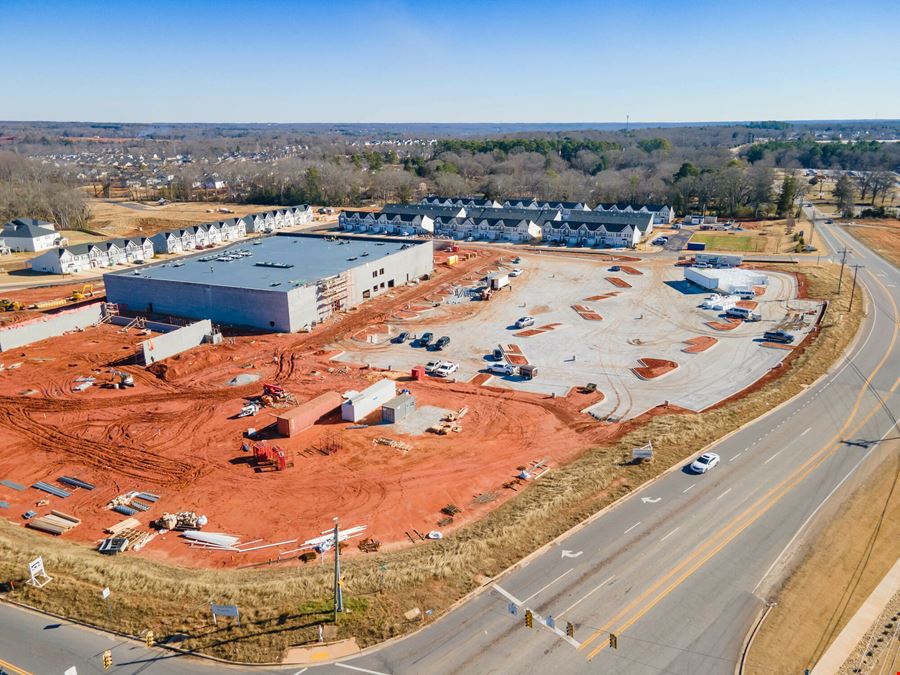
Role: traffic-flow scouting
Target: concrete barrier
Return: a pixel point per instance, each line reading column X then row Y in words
column 49, row 325
column 174, row 342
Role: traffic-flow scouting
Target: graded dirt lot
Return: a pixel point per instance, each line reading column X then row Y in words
column 882, row 236
column 600, row 329
column 128, row 219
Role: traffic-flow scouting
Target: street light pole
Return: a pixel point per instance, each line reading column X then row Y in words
column 853, row 287
column 844, row 253
column 338, row 590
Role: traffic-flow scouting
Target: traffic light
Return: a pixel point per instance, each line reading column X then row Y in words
column 151, row 638
column 529, row 618
column 613, row 641
column 570, row 629
column 107, row 660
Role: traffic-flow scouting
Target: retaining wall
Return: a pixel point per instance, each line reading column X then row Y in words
column 177, row 341
column 50, row 325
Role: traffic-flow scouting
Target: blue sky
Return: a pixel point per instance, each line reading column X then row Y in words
column 449, row 61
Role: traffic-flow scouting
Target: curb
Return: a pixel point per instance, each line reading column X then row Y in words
column 751, row 636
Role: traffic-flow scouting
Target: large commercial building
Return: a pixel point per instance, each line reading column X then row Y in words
column 282, row 283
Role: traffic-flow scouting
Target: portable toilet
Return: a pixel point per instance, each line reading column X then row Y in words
column 418, row 373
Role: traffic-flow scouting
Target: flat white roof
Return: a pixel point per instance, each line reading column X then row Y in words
column 732, row 276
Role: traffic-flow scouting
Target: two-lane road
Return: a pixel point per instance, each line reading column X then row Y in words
column 678, row 571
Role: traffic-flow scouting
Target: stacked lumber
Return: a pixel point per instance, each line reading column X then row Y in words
column 55, row 523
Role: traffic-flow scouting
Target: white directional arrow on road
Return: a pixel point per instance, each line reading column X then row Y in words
column 650, row 500
column 571, row 554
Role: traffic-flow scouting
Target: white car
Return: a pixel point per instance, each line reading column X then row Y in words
column 501, row 369
column 445, row 369
column 705, row 462
column 525, row 321
column 514, row 273
column 432, row 366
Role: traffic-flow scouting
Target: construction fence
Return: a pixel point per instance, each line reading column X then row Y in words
column 176, row 341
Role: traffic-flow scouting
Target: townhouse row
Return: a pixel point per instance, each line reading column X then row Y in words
column 67, row 259
column 662, row 213
column 513, row 224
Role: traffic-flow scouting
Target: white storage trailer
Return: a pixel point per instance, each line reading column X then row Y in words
column 360, row 405
column 498, row 280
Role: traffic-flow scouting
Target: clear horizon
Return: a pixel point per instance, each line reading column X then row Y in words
column 366, row 62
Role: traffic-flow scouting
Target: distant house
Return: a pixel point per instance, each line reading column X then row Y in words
column 565, row 207
column 465, row 202
column 167, row 242
column 28, row 234
column 520, row 204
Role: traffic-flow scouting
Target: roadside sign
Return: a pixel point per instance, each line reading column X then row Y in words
column 225, row 610
column 643, row 453
column 105, row 593
column 38, row 576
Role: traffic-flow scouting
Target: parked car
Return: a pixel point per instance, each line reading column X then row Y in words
column 525, row 321
column 401, row 338
column 439, row 344
column 746, row 295
column 742, row 313
column 425, row 340
column 516, row 272
column 614, row 268
column 501, row 369
column 705, row 462
column 497, row 355
column 432, row 366
column 779, row 335
column 446, row 369
column 829, row 222
column 517, row 260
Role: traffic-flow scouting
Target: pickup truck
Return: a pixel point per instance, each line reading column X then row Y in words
column 778, row 336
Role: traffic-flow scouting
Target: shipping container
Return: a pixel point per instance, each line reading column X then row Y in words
column 696, row 246
column 292, row 422
column 398, row 408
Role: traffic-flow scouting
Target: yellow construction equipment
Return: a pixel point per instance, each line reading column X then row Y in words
column 8, row 305
column 87, row 291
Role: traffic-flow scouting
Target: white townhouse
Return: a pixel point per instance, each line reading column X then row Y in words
column 516, row 229
column 520, row 204
column 574, row 232
column 201, row 236
column 662, row 213
column 28, row 234
column 362, row 221
column 565, row 207
column 168, row 242
column 80, row 257
column 465, row 202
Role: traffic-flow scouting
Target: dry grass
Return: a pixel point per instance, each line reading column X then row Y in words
column 882, row 236
column 282, row 607
column 843, row 566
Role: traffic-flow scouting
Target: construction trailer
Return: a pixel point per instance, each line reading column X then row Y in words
column 360, row 405
column 728, row 281
column 398, row 408
column 296, row 420
column 498, row 280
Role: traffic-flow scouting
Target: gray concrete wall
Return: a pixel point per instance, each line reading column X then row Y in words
column 263, row 309
column 302, row 307
column 401, row 268
column 49, row 326
column 177, row 341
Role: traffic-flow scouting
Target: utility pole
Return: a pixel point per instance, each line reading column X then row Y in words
column 843, row 253
column 338, row 590
column 853, row 287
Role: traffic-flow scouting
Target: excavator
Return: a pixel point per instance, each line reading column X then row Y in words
column 87, row 291
column 7, row 305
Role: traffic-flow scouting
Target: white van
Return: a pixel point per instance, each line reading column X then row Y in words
column 741, row 313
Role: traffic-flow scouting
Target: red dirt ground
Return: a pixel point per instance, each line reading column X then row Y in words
column 724, row 324
column 650, row 369
column 747, row 304
column 480, row 379
column 616, row 281
column 699, row 344
column 587, row 313
column 777, row 345
column 597, row 298
column 629, row 270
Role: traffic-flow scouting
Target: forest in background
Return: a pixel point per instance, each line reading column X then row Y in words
column 727, row 169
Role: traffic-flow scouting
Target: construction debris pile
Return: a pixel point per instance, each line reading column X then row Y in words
column 183, row 520
column 449, row 423
column 55, row 523
column 130, row 503
column 218, row 541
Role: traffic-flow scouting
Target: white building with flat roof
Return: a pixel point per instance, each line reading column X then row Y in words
column 726, row 280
